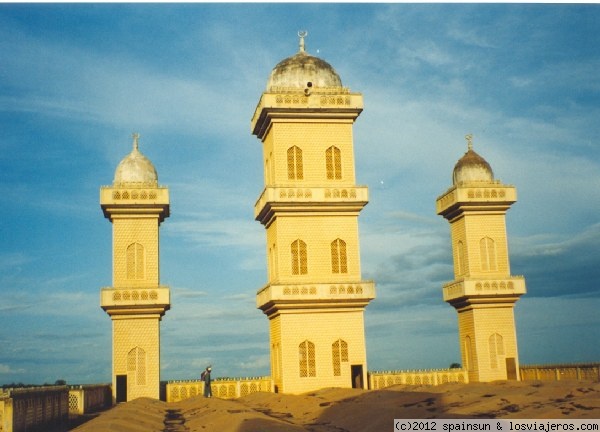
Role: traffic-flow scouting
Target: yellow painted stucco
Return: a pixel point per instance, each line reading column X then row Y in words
column 315, row 296
column 136, row 301
column 483, row 291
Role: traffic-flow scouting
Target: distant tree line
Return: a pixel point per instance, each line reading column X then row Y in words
column 60, row 382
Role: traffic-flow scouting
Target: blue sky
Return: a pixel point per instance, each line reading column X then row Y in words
column 77, row 79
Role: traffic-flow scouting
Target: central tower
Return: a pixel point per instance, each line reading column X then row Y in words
column 315, row 297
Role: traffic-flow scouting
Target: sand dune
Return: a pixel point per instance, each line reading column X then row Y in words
column 350, row 410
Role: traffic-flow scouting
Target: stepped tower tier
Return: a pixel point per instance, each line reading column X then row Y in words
column 135, row 205
column 315, row 296
column 483, row 291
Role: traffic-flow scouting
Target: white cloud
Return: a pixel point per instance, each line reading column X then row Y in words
column 9, row 370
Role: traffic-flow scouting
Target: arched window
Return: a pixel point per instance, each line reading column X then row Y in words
column 460, row 258
column 496, row 349
column 339, row 260
column 468, row 353
column 275, row 360
column 488, row 254
column 273, row 269
column 339, row 354
column 299, row 258
column 136, row 365
column 306, row 351
column 294, row 161
column 135, row 261
column 333, row 162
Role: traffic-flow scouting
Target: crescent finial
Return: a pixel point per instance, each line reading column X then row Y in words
column 136, row 137
column 302, row 34
column 469, row 138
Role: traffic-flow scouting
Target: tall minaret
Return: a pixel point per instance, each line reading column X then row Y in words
column 136, row 205
column 315, row 297
column 483, row 291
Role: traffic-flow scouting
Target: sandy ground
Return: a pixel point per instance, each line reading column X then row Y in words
column 350, row 410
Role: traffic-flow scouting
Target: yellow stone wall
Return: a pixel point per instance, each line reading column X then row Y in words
column 136, row 353
column 143, row 231
column 318, row 232
column 136, row 301
column 379, row 380
column 322, row 328
column 480, row 324
column 313, row 138
column 470, row 229
column 276, row 356
column 306, row 308
column 483, row 292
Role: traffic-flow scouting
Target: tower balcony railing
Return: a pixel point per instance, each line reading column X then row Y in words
column 135, row 296
column 283, row 97
column 299, row 194
column 129, row 193
column 510, row 286
column 475, row 192
column 361, row 291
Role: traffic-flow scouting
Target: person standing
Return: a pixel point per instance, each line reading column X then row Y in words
column 205, row 377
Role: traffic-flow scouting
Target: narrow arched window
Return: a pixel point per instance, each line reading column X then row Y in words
column 333, row 162
column 339, row 260
column 468, row 353
column 488, row 254
column 496, row 343
column 136, row 365
column 299, row 258
column 306, row 353
column 339, row 354
column 135, row 261
column 460, row 258
column 294, row 162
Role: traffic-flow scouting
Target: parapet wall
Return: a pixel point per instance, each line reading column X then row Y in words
column 33, row 408
column 85, row 399
column 557, row 372
column 41, row 408
column 223, row 388
column 382, row 379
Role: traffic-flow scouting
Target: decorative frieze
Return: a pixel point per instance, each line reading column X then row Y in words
column 124, row 193
column 490, row 194
column 134, row 296
column 515, row 285
column 364, row 290
column 333, row 195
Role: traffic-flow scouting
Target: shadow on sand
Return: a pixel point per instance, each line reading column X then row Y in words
column 352, row 410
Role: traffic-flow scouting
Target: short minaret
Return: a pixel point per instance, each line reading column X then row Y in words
column 136, row 205
column 483, row 291
column 315, row 296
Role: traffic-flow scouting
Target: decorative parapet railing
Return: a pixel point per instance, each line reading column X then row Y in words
column 114, row 297
column 512, row 286
column 84, row 399
column 38, row 408
column 293, row 91
column 379, row 380
column 557, row 372
column 335, row 102
column 223, row 388
column 495, row 192
column 128, row 193
column 362, row 291
column 356, row 196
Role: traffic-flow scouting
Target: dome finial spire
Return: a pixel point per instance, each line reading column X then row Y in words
column 136, row 137
column 469, row 138
column 302, row 34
